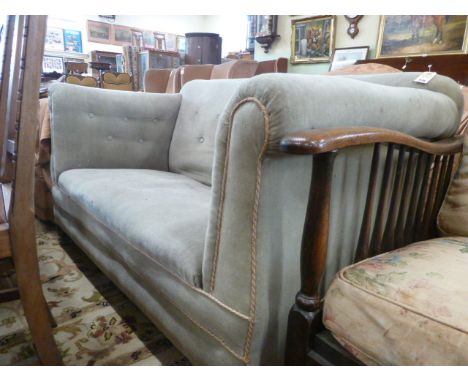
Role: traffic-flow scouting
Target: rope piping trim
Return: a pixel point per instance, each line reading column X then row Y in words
column 201, row 291
column 251, row 319
column 253, row 243
column 217, row 338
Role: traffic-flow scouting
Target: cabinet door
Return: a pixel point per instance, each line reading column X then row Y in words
column 193, row 55
column 211, row 53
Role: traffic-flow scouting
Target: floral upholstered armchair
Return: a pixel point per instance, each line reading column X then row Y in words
column 407, row 306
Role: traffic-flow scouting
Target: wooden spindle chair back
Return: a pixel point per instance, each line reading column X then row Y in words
column 408, row 180
column 19, row 103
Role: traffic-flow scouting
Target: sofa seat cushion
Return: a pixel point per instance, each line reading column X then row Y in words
column 160, row 214
column 406, row 307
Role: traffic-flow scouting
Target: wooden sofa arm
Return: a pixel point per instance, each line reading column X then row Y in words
column 416, row 174
column 318, row 141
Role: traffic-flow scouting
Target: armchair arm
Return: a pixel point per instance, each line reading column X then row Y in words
column 319, row 141
column 95, row 128
column 411, row 193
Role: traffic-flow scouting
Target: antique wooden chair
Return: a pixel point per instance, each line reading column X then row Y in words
column 401, row 208
column 19, row 99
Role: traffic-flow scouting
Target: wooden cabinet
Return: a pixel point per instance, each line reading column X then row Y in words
column 202, row 48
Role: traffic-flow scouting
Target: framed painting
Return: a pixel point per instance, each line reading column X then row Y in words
column 137, row 38
column 180, row 43
column 312, row 39
column 54, row 39
column 52, row 64
column 121, row 35
column 403, row 36
column 99, row 32
column 171, row 42
column 343, row 57
column 148, row 39
column 160, row 41
column 72, row 41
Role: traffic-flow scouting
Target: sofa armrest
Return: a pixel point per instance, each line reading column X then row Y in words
column 96, row 128
column 260, row 194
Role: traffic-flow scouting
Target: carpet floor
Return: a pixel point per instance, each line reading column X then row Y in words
column 96, row 323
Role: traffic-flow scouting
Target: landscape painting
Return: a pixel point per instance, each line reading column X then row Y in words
column 402, row 36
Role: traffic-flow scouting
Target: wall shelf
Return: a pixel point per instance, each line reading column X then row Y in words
column 75, row 55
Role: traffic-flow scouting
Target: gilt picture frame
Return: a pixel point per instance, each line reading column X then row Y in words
column 312, row 39
column 121, row 35
column 99, row 32
column 406, row 36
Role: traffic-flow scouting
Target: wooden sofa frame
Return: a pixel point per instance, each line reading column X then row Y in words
column 422, row 171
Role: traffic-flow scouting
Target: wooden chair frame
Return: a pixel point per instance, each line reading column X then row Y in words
column 19, row 101
column 422, row 172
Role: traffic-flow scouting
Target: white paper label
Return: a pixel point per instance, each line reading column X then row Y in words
column 425, row 77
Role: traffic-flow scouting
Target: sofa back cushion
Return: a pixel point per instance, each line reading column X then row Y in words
column 192, row 146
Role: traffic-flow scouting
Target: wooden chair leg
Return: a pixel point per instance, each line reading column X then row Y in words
column 36, row 309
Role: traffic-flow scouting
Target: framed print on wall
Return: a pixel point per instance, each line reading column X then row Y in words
column 171, row 42
column 72, row 41
column 148, row 39
column 52, row 64
column 312, row 39
column 343, row 57
column 54, row 39
column 403, row 36
column 99, row 32
column 121, row 35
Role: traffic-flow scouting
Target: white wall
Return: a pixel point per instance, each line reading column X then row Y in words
column 232, row 29
column 169, row 24
column 368, row 32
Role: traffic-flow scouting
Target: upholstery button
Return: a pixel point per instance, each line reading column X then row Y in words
column 125, row 118
column 140, row 140
column 156, row 119
column 109, row 138
column 201, row 139
column 90, row 115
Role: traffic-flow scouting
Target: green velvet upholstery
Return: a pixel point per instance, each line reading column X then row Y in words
column 223, row 281
column 193, row 142
column 132, row 203
column 135, row 130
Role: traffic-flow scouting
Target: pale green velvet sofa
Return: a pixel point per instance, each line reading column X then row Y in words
column 186, row 203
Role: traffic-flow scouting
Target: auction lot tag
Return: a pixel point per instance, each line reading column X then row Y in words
column 425, row 77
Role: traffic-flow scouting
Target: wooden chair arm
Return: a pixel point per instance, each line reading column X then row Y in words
column 318, row 141
column 401, row 208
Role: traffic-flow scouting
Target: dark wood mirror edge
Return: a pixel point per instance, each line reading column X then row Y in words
column 423, row 170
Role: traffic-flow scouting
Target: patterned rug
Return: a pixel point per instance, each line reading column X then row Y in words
column 96, row 323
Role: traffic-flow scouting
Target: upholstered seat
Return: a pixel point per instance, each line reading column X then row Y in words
column 130, row 203
column 405, row 307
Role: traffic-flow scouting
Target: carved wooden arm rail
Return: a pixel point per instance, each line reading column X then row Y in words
column 416, row 175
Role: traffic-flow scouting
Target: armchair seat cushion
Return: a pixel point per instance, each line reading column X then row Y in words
column 162, row 216
column 405, row 307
